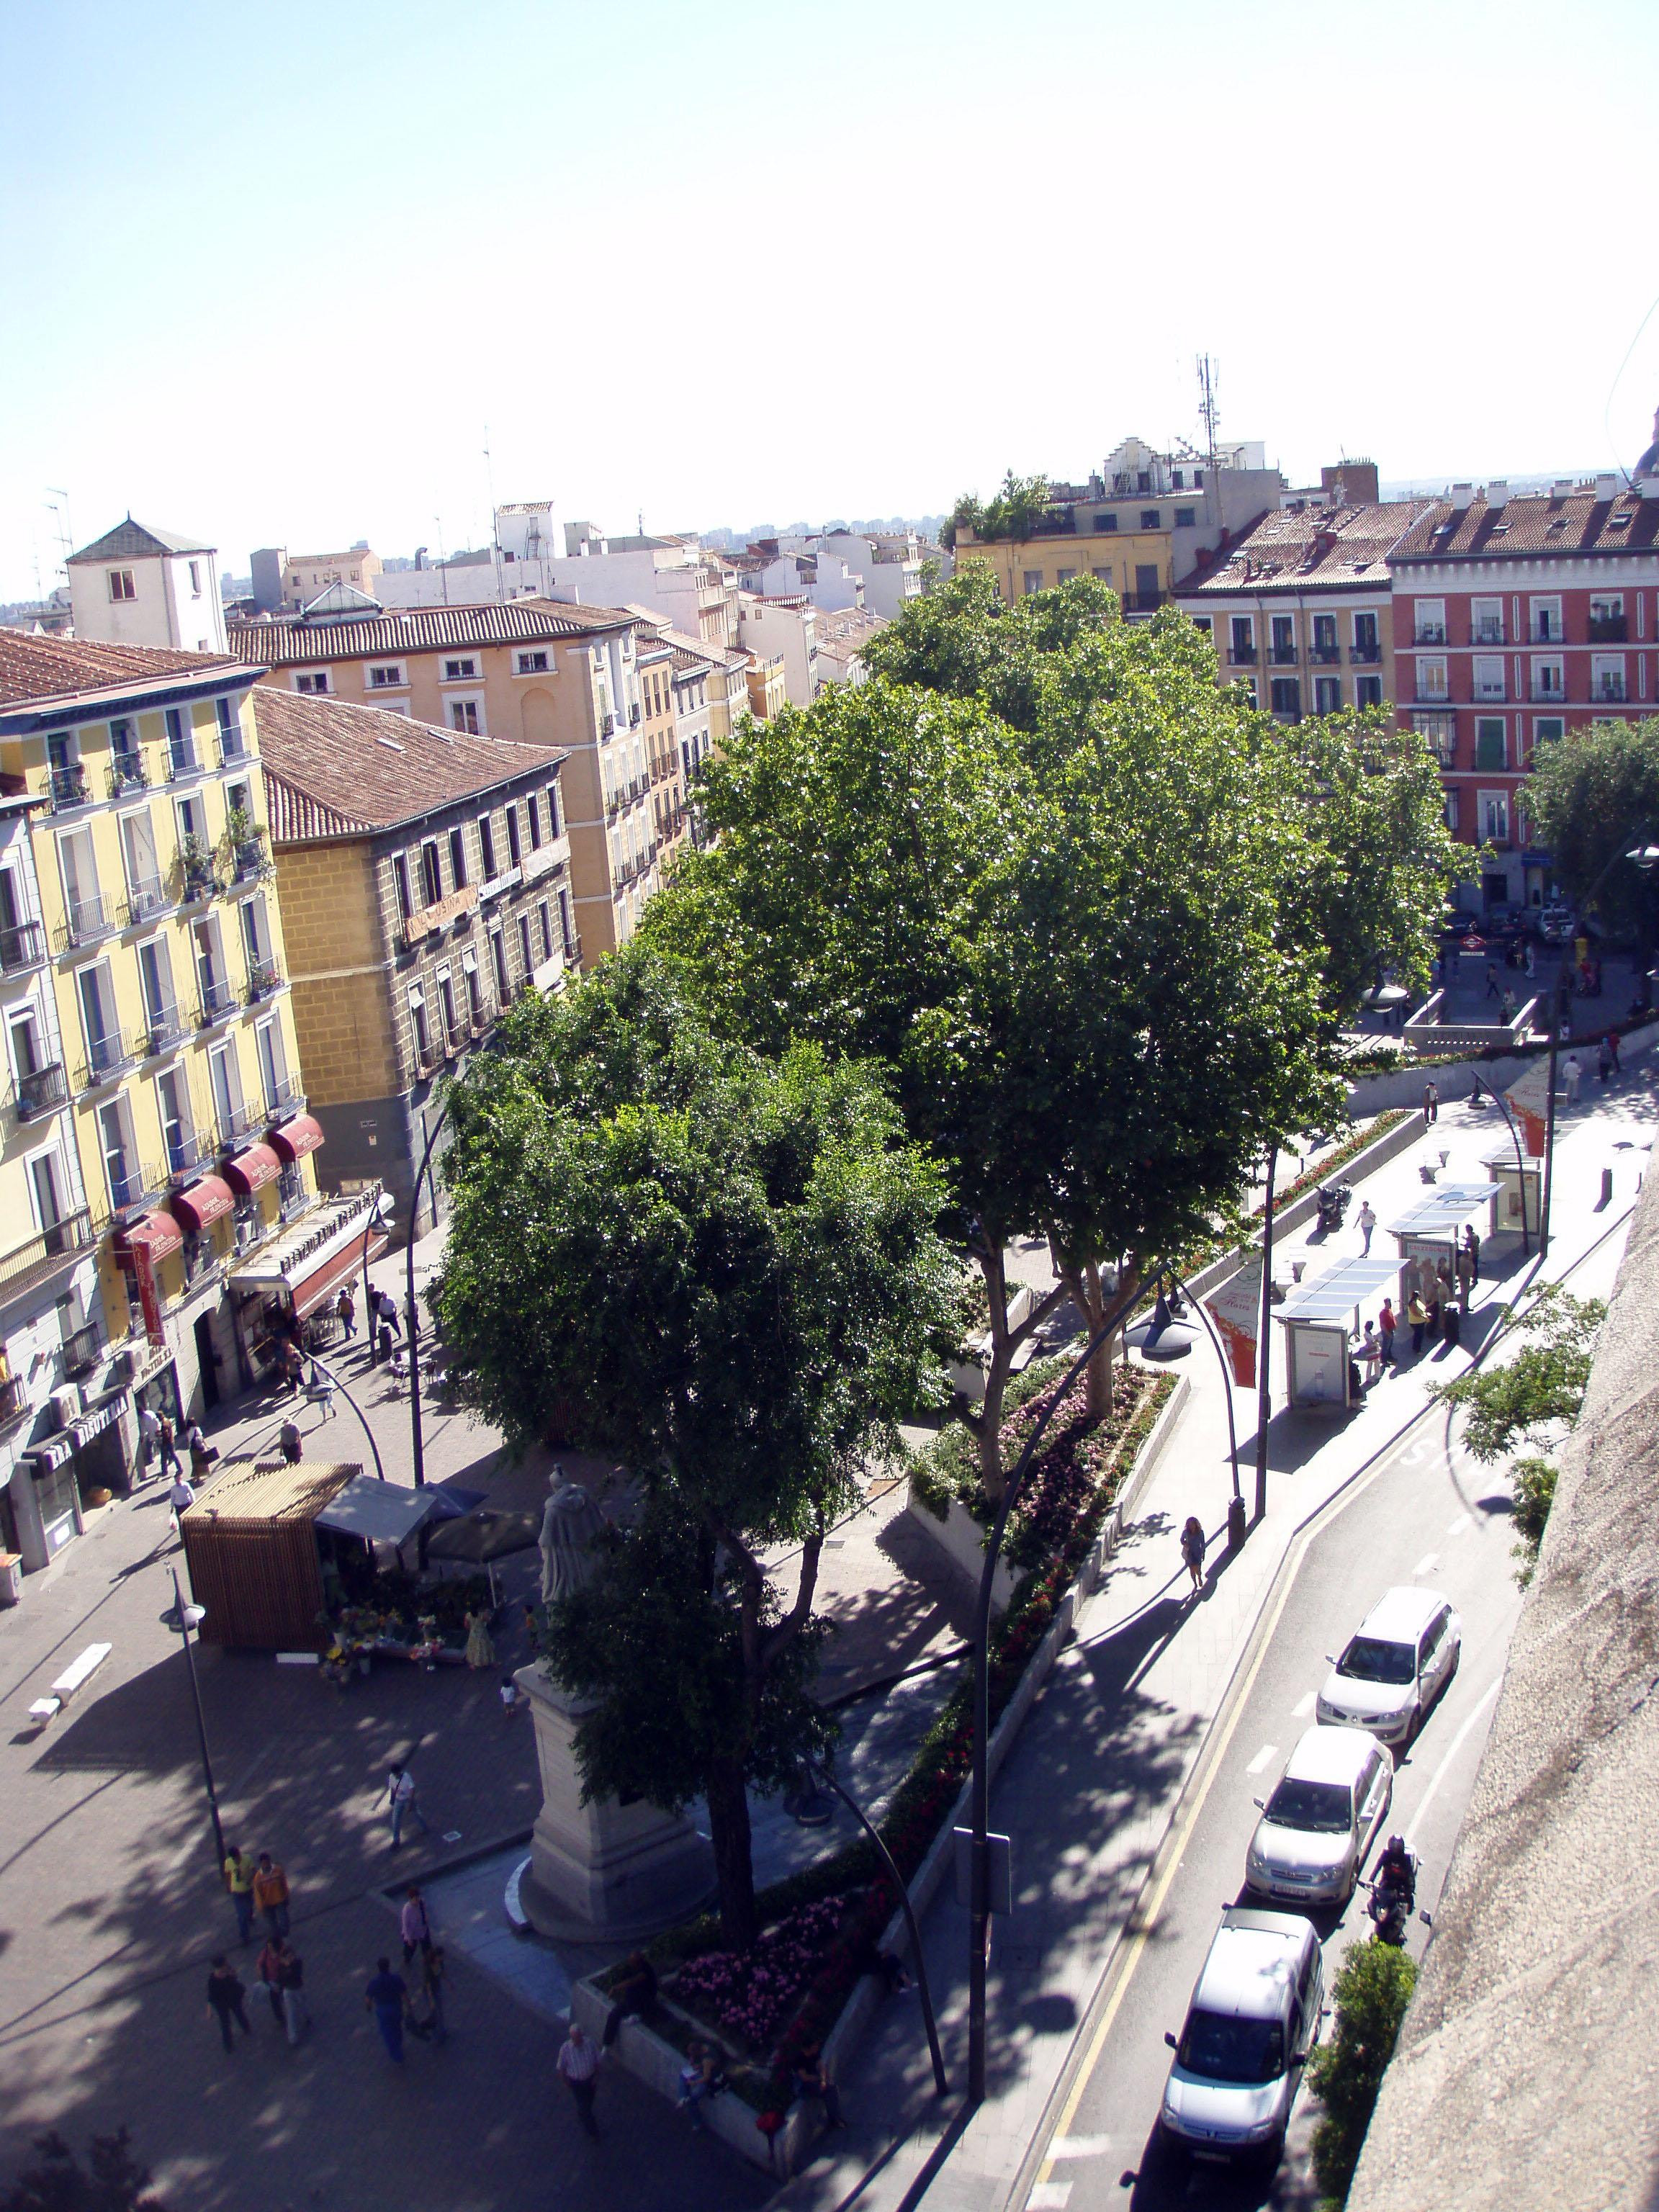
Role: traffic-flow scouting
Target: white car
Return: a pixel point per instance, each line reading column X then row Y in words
column 1317, row 1826
column 1253, row 2017
column 1405, row 1651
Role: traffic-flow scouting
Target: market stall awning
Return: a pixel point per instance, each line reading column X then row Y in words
column 1444, row 1211
column 1333, row 1295
column 250, row 1170
column 379, row 1512
column 158, row 1233
column 487, row 1532
column 295, row 1139
column 206, row 1201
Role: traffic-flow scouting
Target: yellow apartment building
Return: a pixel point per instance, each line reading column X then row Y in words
column 152, row 1055
column 1137, row 562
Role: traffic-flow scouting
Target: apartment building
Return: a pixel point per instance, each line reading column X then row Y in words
column 842, row 638
column 425, row 882
column 783, row 629
column 1515, row 619
column 137, row 586
column 767, row 685
column 156, row 1102
column 658, row 663
column 303, row 577
column 535, row 671
column 1141, row 524
column 1300, row 608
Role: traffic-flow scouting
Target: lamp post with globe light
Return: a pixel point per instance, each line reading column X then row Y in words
column 182, row 1618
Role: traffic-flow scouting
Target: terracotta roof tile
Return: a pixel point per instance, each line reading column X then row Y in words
column 291, row 642
column 333, row 769
column 1322, row 549
column 1575, row 523
column 62, row 667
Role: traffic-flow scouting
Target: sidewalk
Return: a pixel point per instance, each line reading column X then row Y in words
column 1092, row 1786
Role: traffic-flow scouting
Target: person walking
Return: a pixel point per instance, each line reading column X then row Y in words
column 291, row 1975
column 1191, row 1550
column 1613, row 1049
column 1574, row 1072
column 269, row 1967
column 270, row 1893
column 167, row 1445
column 1385, row 1325
column 1531, row 959
column 1431, row 1104
column 149, row 1436
column 291, row 1442
column 404, row 1803
column 431, row 2022
column 1367, row 1223
column 1603, row 1060
column 239, row 1871
column 345, row 1309
column 201, row 1453
column 579, row 2063
column 480, row 1650
column 225, row 1993
column 1417, row 1315
column 386, row 1996
column 1492, row 979
column 413, row 1926
column 1471, row 1246
column 181, row 1497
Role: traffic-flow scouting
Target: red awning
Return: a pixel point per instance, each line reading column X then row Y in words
column 296, row 1139
column 207, row 1200
column 157, row 1234
column 317, row 1289
column 252, row 1169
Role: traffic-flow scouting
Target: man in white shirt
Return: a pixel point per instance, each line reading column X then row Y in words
column 579, row 2062
column 149, row 1436
column 405, row 1805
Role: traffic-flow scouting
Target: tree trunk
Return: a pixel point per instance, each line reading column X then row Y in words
column 1083, row 1286
column 734, row 1866
column 1005, row 1342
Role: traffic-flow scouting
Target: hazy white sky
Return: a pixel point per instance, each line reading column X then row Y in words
column 269, row 271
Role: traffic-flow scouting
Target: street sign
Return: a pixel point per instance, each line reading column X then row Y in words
column 1000, row 1872
column 1235, row 1309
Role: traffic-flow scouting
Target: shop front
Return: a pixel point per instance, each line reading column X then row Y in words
column 285, row 1292
column 61, row 1480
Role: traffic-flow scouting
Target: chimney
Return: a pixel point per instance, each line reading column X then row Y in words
column 1497, row 495
column 1607, row 487
column 1462, row 498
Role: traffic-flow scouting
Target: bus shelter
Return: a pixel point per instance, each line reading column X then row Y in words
column 1429, row 1235
column 1319, row 1367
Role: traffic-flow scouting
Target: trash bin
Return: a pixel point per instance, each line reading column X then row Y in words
column 11, row 1578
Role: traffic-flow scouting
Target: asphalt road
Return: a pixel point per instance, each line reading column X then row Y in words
column 1420, row 1517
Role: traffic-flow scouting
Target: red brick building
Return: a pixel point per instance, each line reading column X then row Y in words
column 1515, row 620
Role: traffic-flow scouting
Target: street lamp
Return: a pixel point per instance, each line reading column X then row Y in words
column 1237, row 1523
column 412, row 1318
column 1520, row 1166
column 182, row 1618
column 380, row 1215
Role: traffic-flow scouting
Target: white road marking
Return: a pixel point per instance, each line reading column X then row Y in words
column 1267, row 1753
column 1079, row 2146
column 1459, row 1525
column 1049, row 2197
column 1452, row 1748
column 1304, row 1705
column 1426, row 1564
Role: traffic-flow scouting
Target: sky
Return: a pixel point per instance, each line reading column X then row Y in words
column 302, row 277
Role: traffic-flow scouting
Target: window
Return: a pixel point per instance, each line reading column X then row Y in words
column 1489, row 749
column 121, row 586
column 1186, row 517
column 1485, row 622
column 225, row 1081
column 525, row 961
column 84, row 907
column 1440, row 731
column 1105, row 525
column 446, row 1004
column 419, row 1024
column 1431, row 679
column 1448, row 808
column 1549, row 679
column 463, row 717
column 145, row 893
column 98, row 1020
column 256, row 944
column 544, row 917
column 1243, row 649
column 1149, row 517
column 1033, row 580
column 1548, row 728
column 387, row 676
column 1429, row 623
column 1365, row 646
column 513, row 846
column 1606, row 618
column 1284, row 638
column 431, row 880
column 400, row 884
column 46, row 1178
column 1608, row 676
column 566, row 929
column 126, row 760
column 313, row 681
column 1325, row 646
column 534, row 812
column 460, row 671
column 1328, row 694
column 1103, row 575
column 178, row 1132
column 552, row 810
column 211, row 979
column 457, row 856
column 126, row 1183
column 1065, row 575
column 532, row 664
column 161, row 1009
column 475, row 1013
column 1494, row 813
column 273, row 1065
column 498, row 961
column 1368, row 690
column 1286, row 695
column 487, row 846
column 1489, row 676
column 196, row 580
column 1546, row 622
column 230, row 730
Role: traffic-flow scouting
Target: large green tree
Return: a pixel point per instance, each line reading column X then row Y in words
column 1013, row 513
column 1589, row 794
column 723, row 1269
column 1065, row 940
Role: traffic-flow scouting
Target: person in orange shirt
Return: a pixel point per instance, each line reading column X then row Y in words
column 270, row 1893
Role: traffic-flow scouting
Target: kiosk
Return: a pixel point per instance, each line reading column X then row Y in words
column 1319, row 1336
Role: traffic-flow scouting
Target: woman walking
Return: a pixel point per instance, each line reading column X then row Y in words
column 1191, row 1550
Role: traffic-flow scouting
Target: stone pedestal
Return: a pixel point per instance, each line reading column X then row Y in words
column 603, row 1872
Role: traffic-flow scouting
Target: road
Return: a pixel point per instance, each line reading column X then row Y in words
column 1426, row 1514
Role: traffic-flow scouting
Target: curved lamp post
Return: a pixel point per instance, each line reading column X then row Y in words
column 182, row 1618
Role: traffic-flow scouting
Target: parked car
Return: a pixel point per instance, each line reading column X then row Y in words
column 1555, row 924
column 1401, row 1657
column 1321, row 1820
column 1253, row 2017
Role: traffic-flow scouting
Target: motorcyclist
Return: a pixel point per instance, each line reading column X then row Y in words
column 1396, row 1870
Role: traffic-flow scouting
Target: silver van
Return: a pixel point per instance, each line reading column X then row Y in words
column 1254, row 2018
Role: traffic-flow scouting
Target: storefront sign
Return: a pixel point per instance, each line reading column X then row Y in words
column 1235, row 1309
column 150, row 1299
column 431, row 918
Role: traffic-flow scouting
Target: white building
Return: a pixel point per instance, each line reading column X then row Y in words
column 785, row 630
column 887, row 567
column 841, row 637
column 136, row 586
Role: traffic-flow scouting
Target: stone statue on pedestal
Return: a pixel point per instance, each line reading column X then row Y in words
column 571, row 1527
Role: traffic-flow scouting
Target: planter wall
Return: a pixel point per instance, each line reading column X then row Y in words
column 962, row 1541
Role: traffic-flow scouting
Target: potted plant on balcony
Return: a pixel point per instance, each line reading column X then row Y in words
column 244, row 844
column 196, row 866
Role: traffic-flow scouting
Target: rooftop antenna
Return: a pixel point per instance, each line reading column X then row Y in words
column 1206, row 405
column 490, row 481
column 59, row 506
column 443, row 558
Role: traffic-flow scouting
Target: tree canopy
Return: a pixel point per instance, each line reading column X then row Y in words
column 1589, row 794
column 723, row 1269
column 1013, row 513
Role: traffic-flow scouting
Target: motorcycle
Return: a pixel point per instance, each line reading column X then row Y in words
column 1332, row 1199
column 1390, row 1903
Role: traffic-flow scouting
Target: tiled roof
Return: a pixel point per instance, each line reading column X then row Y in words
column 136, row 541
column 65, row 667
column 291, row 642
column 1322, row 549
column 336, row 771
column 1575, row 523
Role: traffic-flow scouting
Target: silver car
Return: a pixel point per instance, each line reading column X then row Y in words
column 1254, row 2018
column 1391, row 1672
column 1317, row 1826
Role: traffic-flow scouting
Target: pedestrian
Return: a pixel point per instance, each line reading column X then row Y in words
column 633, row 1994
column 480, row 1651
column 511, row 1698
column 1385, row 1325
column 1603, row 1060
column 1471, row 1246
column 1372, row 1351
column 404, row 1804
column 1367, row 1223
column 431, row 2021
column 1451, row 1323
column 386, row 1308
column 699, row 2081
column 290, row 1443
column 413, row 1925
column 1417, row 1315
column 1613, row 1047
column 292, row 1365
column 1506, row 1010
column 1431, row 1103
column 320, row 1390
column 808, row 2080
column 1532, row 960
column 579, row 2062
column 270, row 1893
column 1574, row 1072
column 384, row 1336
column 387, row 1998
column 345, row 1307
column 239, row 1871
column 149, row 1436
column 225, row 1993
column 1492, row 979
column 167, row 1446
column 292, row 1974
column 1192, row 1549
column 269, row 1967
column 181, row 1497
column 201, row 1453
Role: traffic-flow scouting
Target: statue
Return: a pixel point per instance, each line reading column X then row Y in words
column 571, row 1526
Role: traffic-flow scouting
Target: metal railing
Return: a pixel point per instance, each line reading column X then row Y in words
column 69, row 787
column 216, row 1003
column 284, row 1096
column 264, row 980
column 182, row 760
column 148, row 897
column 126, row 773
column 1283, row 656
column 1487, row 634
column 1243, row 656
column 23, row 946
column 1430, row 634
column 108, row 1056
column 42, row 1092
column 1143, row 603
column 82, row 1349
column 184, row 1154
column 1326, row 656
column 235, row 1123
column 87, row 919
column 1365, row 656
column 248, row 861
column 167, row 1028
column 59, row 1240
column 1610, row 689
column 1608, row 630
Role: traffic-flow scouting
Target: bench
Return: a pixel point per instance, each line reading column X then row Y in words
column 45, row 1708
column 80, row 1671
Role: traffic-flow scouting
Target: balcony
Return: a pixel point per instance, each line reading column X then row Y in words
column 1326, row 654
column 1545, row 633
column 70, row 787
column 1491, row 689
column 165, row 1029
column 1429, row 634
column 184, row 1156
column 131, row 1189
column 21, row 947
column 182, row 760
column 1243, row 656
column 109, row 1056
column 14, row 1401
column 42, row 1092
column 231, row 747
column 1549, row 690
column 41, row 1254
column 126, row 773
column 634, row 717
column 218, row 1002
column 83, row 1350
column 1609, row 690
column 572, row 949
column 1365, row 653
column 1608, row 630
column 1429, row 694
column 236, row 1123
column 1143, row 603
column 284, row 1097
column 147, row 898
column 607, row 726
column 1283, row 655
column 1486, row 634
column 264, row 980
column 197, row 878
column 248, row 862
column 87, row 919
